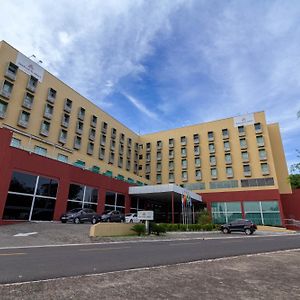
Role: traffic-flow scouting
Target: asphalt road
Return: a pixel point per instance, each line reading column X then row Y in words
column 28, row 264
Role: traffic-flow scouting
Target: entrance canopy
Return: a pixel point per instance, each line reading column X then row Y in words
column 159, row 192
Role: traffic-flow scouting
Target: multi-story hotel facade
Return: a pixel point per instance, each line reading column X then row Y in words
column 60, row 151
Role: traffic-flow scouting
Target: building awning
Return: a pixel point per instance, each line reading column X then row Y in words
column 159, row 191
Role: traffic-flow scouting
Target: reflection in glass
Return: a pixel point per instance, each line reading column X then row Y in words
column 22, row 183
column 43, row 209
column 17, row 207
column 47, row 187
column 76, row 192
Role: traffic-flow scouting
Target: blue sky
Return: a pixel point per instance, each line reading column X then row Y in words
column 156, row 65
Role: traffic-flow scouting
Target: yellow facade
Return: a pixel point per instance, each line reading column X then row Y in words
column 148, row 158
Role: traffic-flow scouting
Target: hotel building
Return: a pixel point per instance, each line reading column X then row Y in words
column 59, row 151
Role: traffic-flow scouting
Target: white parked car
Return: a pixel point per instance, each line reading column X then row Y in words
column 132, row 218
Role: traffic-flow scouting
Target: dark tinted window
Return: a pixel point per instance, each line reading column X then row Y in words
column 76, row 192
column 47, row 187
column 22, row 183
column 91, row 195
column 110, row 198
column 120, row 200
column 17, row 207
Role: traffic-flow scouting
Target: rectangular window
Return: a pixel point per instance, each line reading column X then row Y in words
column 68, row 105
column 112, row 145
column 198, row 175
column 81, row 113
column 212, row 148
column 229, row 172
column 128, row 153
column 184, row 175
column 243, row 143
column 226, row 146
column 113, row 133
column 210, row 136
column 120, row 162
column 241, row 130
column 93, row 121
column 90, row 148
column 260, row 141
column 147, row 168
column 28, row 100
column 171, row 165
column 129, row 142
column 245, row 156
column 183, row 140
column 183, row 152
column 3, row 109
column 101, row 153
column 171, row 143
column 184, row 164
column 6, row 89
column 11, row 71
column 45, row 127
column 171, row 177
column 148, row 156
column 104, row 127
column 148, row 146
column 128, row 164
column 79, row 127
column 15, row 143
column 32, row 84
column 159, row 144
column 24, row 119
column 40, row 150
column 122, row 138
column 212, row 160
column 225, row 133
column 77, row 142
column 262, row 154
column 102, row 140
column 51, row 95
column 48, row 111
column 213, row 173
column 63, row 136
column 92, row 134
column 196, row 138
column 265, row 169
column 224, row 212
column 247, row 170
column 158, row 155
column 121, row 149
column 196, row 150
column 65, row 120
column 111, row 157
column 228, row 159
column 171, row 153
column 258, row 127
column 197, row 162
column 158, row 178
column 158, row 167
column 62, row 158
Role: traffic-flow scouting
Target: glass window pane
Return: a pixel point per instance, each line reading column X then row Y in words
column 72, row 205
column 22, row 183
column 43, row 209
column 17, row 207
column 47, row 187
column 251, row 206
column 254, row 217
column 76, row 192
column 218, row 218
column 233, row 216
column 110, row 198
column 272, row 219
column 270, row 206
column 91, row 195
column 91, row 206
column 218, row 207
column 234, row 207
column 120, row 200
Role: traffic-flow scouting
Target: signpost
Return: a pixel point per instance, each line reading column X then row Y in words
column 146, row 215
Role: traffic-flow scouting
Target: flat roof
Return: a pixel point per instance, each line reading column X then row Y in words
column 159, row 191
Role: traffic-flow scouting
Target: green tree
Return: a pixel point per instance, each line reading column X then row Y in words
column 294, row 178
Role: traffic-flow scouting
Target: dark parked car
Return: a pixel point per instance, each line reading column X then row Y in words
column 241, row 225
column 80, row 215
column 112, row 216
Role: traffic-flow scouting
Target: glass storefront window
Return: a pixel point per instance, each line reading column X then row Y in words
column 251, row 206
column 76, row 192
column 233, row 206
column 47, row 187
column 22, row 183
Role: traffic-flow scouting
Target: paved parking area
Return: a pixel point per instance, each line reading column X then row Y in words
column 56, row 233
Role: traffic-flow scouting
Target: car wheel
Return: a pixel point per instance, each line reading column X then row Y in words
column 64, row 221
column 131, row 221
column 94, row 221
column 108, row 220
column 225, row 230
column 248, row 231
column 76, row 220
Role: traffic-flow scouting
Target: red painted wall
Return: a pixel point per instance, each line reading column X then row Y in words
column 291, row 205
column 16, row 159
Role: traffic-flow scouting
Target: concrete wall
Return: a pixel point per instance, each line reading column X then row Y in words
column 111, row 229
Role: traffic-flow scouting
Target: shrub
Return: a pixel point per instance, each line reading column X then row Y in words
column 158, row 228
column 204, row 218
column 140, row 229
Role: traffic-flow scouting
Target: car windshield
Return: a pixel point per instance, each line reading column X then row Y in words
column 129, row 215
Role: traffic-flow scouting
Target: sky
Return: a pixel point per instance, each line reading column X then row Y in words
column 160, row 64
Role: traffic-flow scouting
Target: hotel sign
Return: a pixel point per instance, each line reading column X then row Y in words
column 30, row 67
column 244, row 120
column 145, row 215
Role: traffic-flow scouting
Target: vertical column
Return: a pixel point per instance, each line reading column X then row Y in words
column 61, row 198
column 173, row 217
column 127, row 204
column 101, row 200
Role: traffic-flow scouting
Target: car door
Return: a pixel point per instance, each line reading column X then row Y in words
column 234, row 225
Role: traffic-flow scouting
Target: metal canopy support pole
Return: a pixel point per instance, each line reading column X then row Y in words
column 173, row 219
